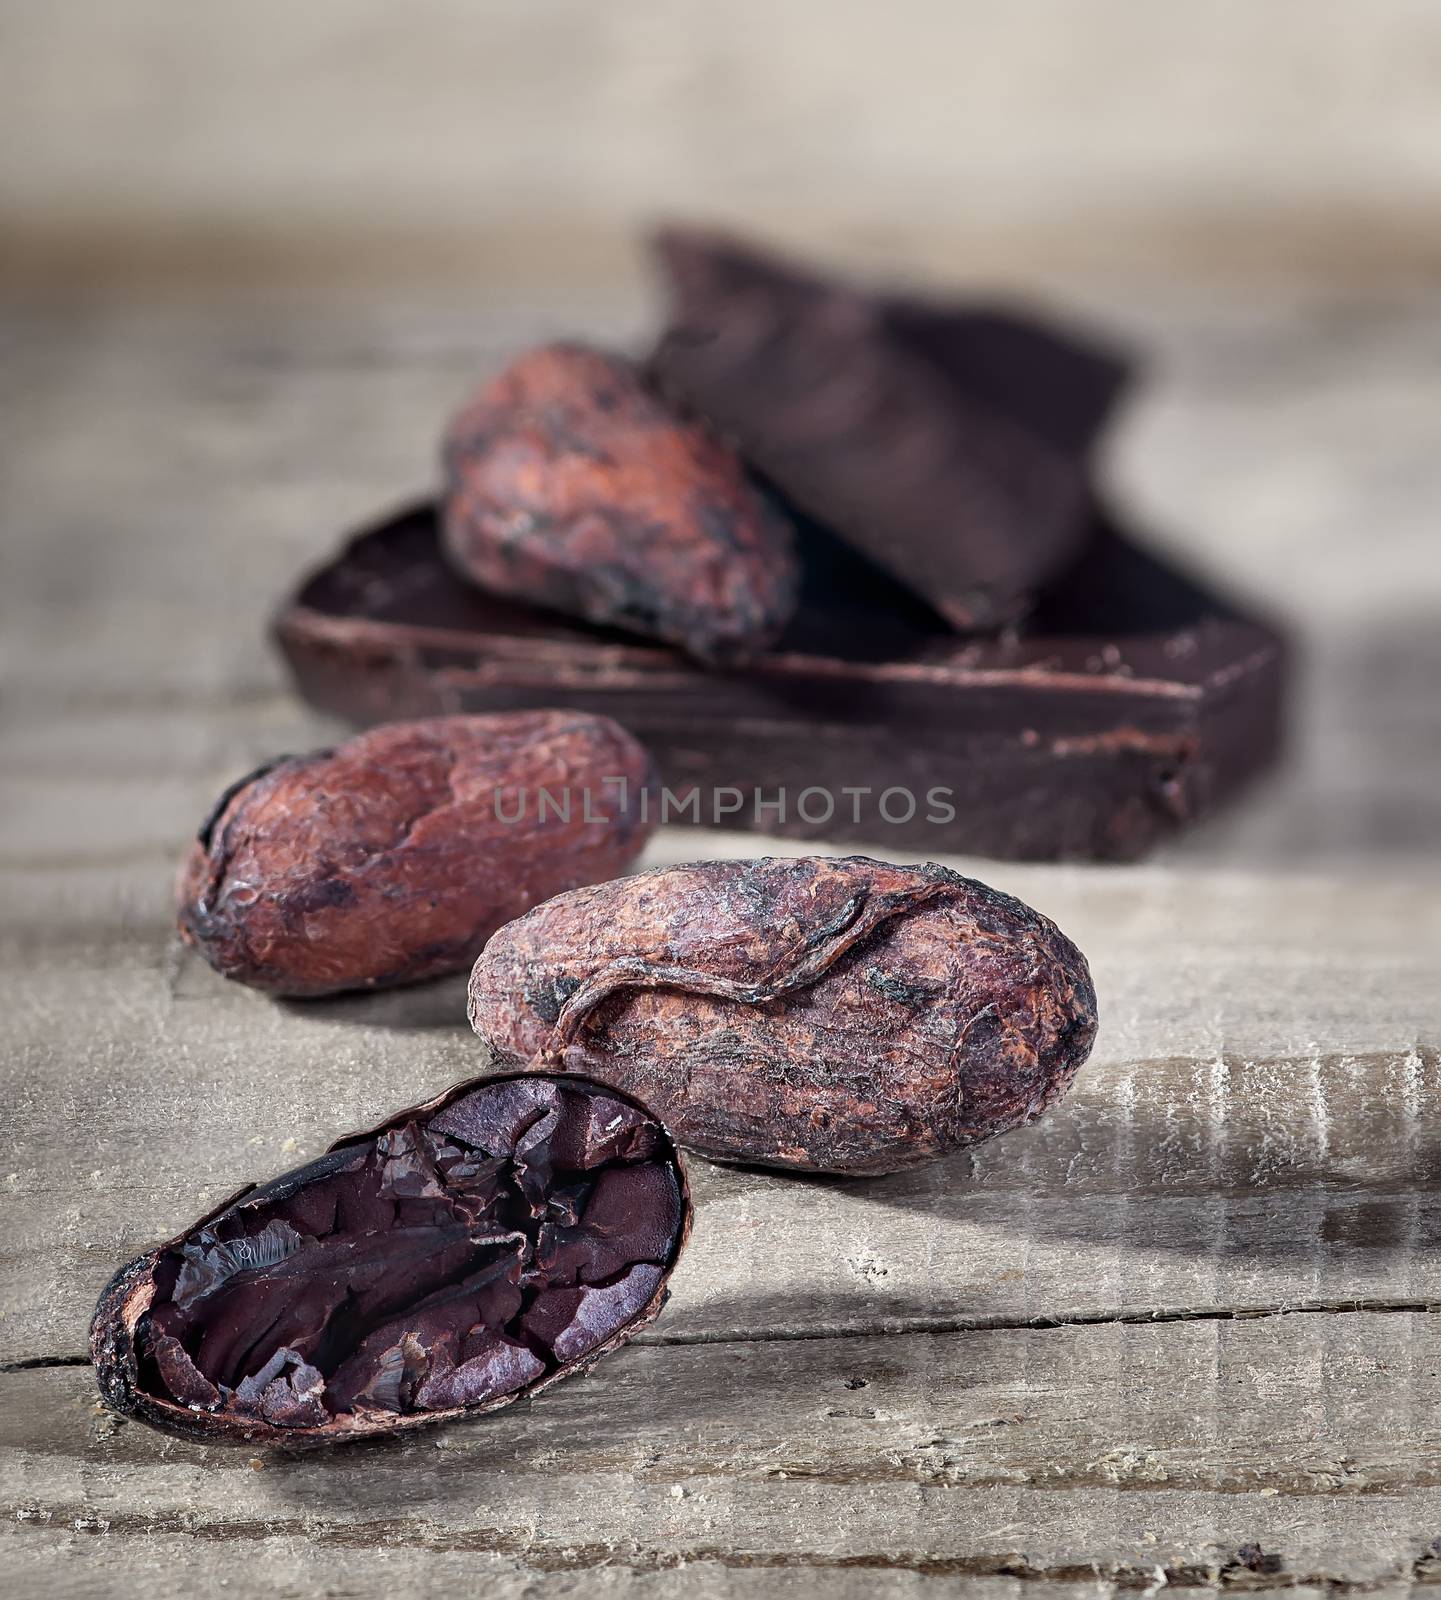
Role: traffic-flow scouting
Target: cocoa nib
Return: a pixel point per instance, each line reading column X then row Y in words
column 949, row 450
column 824, row 1015
column 394, row 856
column 466, row 1253
column 571, row 485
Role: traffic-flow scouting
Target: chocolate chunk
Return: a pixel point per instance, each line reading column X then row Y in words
column 947, row 446
column 1134, row 700
column 471, row 1250
column 1059, row 384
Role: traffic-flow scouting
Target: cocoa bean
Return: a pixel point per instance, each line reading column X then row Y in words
column 824, row 1015
column 464, row 1254
column 394, row 856
column 571, row 485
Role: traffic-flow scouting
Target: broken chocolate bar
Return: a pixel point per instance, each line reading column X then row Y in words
column 949, row 445
column 467, row 1252
column 1134, row 701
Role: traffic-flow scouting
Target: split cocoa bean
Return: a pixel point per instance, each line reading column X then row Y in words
column 394, row 856
column 823, row 1015
column 467, row 1252
column 572, row 485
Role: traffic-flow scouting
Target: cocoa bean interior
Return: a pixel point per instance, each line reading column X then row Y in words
column 455, row 1258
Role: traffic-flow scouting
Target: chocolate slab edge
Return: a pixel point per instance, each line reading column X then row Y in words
column 1137, row 701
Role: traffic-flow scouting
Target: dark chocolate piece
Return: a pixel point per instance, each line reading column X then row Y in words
column 1134, row 701
column 1064, row 386
column 467, row 1252
column 948, row 445
column 814, row 1014
column 571, row 484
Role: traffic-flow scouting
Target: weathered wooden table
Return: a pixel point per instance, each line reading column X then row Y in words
column 1182, row 1333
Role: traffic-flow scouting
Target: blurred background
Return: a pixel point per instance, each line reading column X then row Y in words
column 250, row 258
column 353, row 143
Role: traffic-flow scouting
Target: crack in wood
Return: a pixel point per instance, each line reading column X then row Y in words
column 890, row 1327
column 1245, row 1569
column 1000, row 1322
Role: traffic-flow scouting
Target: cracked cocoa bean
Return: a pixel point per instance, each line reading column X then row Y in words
column 571, row 485
column 824, row 1015
column 394, row 856
column 466, row 1253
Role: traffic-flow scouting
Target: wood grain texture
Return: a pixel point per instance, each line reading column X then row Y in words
column 80, row 1563
column 1108, row 1451
column 1181, row 1332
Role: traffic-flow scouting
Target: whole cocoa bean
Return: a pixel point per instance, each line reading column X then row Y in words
column 463, row 1254
column 394, row 856
column 817, row 1014
column 571, row 485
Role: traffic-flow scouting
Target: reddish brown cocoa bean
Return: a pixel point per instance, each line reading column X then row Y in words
column 395, row 856
column 822, row 1015
column 571, row 485
column 465, row 1253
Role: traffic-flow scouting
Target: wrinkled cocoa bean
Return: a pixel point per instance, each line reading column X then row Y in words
column 823, row 1015
column 465, row 1253
column 394, row 856
column 571, row 485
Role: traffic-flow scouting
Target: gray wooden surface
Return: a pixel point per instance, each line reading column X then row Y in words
column 1181, row 1333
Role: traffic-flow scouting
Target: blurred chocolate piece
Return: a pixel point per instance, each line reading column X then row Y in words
column 1134, row 701
column 946, row 444
column 1062, row 387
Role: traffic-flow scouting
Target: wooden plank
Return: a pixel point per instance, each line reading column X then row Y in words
column 85, row 1562
column 1254, row 1133
column 1114, row 1452
column 81, row 1563
column 1254, row 1129
column 252, row 437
